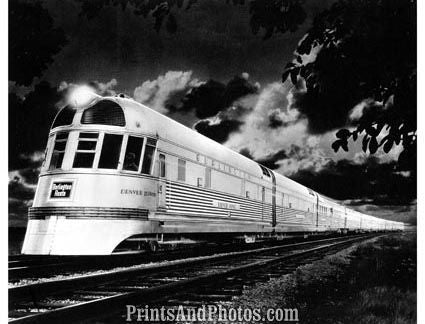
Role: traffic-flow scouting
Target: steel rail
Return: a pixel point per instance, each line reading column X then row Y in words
column 43, row 289
column 95, row 307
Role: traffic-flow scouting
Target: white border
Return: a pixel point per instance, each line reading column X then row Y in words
column 71, row 196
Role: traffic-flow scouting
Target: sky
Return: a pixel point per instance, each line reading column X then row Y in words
column 212, row 74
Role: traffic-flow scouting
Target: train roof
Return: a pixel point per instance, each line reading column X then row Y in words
column 160, row 125
column 169, row 129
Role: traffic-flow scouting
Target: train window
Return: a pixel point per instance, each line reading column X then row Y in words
column 207, row 177
column 86, row 150
column 148, row 157
column 199, row 182
column 200, row 158
column 247, row 194
column 58, row 151
column 64, row 117
column 133, row 153
column 111, row 149
column 181, row 171
column 105, row 112
column 162, row 165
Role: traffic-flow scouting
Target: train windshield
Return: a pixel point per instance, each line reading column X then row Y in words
column 99, row 150
column 58, row 151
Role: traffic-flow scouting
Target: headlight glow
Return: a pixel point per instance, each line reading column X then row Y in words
column 81, row 96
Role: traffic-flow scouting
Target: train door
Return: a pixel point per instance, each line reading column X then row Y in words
column 162, row 203
column 263, row 200
column 317, row 210
column 273, row 200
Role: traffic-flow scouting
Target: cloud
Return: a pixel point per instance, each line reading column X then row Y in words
column 370, row 182
column 401, row 213
column 275, row 134
column 21, row 190
column 213, row 97
column 218, row 131
column 29, row 122
column 100, row 88
column 104, row 89
column 20, row 199
column 256, row 133
column 163, row 92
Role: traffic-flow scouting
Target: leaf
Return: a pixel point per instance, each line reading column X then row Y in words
column 373, row 145
column 294, row 76
column 365, row 142
column 285, row 75
column 388, row 145
column 340, row 143
column 343, row 133
column 336, row 145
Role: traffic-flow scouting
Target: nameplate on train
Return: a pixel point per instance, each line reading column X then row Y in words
column 225, row 205
column 61, row 189
column 137, row 192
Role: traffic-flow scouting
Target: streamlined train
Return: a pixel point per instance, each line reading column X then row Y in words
column 119, row 174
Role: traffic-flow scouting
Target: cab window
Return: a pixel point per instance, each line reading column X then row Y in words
column 58, row 151
column 111, row 149
column 133, row 153
column 148, row 156
column 64, row 117
column 86, row 150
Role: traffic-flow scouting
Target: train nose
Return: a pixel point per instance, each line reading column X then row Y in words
column 82, row 231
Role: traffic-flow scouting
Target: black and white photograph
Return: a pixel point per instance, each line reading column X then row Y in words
column 211, row 161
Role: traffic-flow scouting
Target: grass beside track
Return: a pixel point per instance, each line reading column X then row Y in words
column 370, row 282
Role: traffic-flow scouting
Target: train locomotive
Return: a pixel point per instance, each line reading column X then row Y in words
column 119, row 174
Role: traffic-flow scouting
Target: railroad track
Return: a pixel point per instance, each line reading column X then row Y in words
column 36, row 267
column 91, row 296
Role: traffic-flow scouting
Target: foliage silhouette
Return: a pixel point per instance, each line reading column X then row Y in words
column 367, row 55
column 271, row 16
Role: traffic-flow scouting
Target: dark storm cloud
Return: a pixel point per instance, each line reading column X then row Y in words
column 245, row 152
column 218, row 132
column 328, row 109
column 370, row 182
column 402, row 213
column 29, row 122
column 212, row 97
column 18, row 211
column 117, row 43
column 220, row 105
column 270, row 160
column 19, row 190
column 34, row 40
